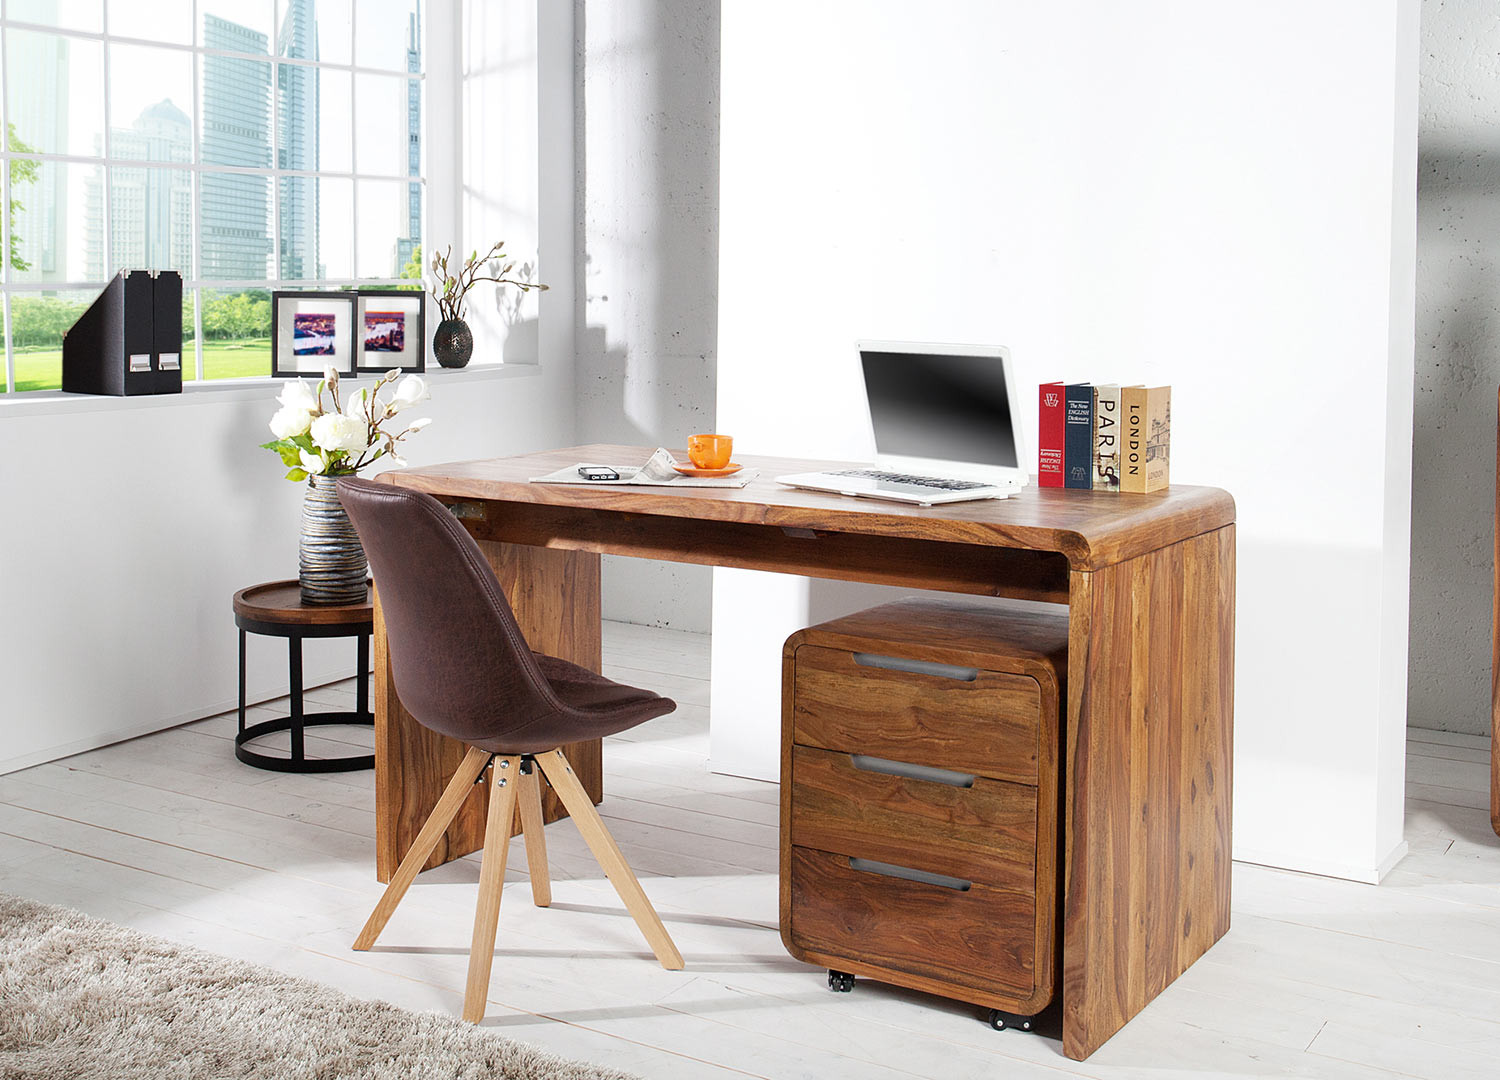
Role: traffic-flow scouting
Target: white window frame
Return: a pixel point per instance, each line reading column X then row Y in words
column 440, row 171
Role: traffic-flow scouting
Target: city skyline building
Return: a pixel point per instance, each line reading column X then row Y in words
column 234, row 211
column 412, row 237
column 150, row 207
column 298, row 112
column 40, row 122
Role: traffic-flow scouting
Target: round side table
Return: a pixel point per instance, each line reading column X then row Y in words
column 276, row 609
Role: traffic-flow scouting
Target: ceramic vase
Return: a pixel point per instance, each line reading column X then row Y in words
column 453, row 343
column 330, row 561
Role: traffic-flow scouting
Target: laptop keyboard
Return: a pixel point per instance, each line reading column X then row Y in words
column 918, row 481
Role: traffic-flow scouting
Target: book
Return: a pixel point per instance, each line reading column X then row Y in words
column 1147, row 437
column 1107, row 437
column 1078, row 436
column 1049, row 454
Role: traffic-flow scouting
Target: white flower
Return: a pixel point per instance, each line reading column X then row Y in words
column 397, row 458
column 418, row 425
column 409, row 391
column 333, row 432
column 298, row 395
column 331, row 376
column 356, row 406
column 312, row 464
column 290, row 421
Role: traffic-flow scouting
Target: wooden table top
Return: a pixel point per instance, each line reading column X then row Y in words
column 280, row 602
column 1092, row 528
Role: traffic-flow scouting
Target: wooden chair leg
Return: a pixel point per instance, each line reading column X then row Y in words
column 505, row 785
column 432, row 831
column 581, row 808
column 530, row 808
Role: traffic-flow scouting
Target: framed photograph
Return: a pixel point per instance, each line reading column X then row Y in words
column 312, row 331
column 392, row 333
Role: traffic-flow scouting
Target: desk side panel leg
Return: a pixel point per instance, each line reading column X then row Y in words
column 555, row 596
column 413, row 765
column 1147, row 852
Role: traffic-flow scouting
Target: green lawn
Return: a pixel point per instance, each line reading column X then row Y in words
column 42, row 369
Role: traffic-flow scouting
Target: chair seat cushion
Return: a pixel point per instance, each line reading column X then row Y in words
column 595, row 707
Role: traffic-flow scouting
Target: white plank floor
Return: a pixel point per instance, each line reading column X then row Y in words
column 1317, row 978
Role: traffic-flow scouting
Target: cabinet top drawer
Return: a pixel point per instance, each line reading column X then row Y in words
column 981, row 722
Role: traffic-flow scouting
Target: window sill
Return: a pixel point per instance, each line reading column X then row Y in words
column 263, row 388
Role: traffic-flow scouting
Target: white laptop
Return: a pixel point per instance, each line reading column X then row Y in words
column 946, row 426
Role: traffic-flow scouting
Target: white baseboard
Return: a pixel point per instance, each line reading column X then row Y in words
column 1369, row 875
column 253, row 696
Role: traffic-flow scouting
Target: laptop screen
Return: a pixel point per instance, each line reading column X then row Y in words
column 950, row 408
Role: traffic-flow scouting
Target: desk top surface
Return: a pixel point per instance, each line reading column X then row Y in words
column 1092, row 529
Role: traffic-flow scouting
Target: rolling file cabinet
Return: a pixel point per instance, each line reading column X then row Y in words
column 919, row 800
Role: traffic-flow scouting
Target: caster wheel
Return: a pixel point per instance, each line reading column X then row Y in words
column 840, row 982
column 1001, row 1020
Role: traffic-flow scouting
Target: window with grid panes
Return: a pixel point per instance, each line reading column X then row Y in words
column 250, row 145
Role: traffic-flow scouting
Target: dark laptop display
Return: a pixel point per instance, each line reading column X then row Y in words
column 951, row 408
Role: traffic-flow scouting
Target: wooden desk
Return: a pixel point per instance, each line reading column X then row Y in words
column 1149, row 584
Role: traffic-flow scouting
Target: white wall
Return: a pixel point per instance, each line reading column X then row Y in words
column 128, row 524
column 1220, row 199
column 1458, row 367
column 648, row 248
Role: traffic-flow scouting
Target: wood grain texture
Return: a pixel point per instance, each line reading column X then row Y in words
column 1091, row 528
column 281, row 602
column 1025, row 647
column 564, row 780
column 1149, row 743
column 413, row 764
column 533, row 828
column 984, row 833
column 1495, row 647
column 431, row 833
column 504, row 786
column 884, row 560
column 978, row 940
column 988, row 726
column 555, row 597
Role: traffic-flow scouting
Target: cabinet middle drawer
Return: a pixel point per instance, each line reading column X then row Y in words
column 984, row 722
column 983, row 831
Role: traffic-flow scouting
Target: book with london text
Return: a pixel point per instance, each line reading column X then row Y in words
column 1049, row 454
column 1078, row 436
column 1107, row 437
column 1145, row 453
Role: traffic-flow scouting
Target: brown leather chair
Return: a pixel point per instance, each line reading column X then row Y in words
column 463, row 669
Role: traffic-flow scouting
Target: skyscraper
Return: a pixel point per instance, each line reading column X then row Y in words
column 40, row 122
column 234, row 213
column 297, row 146
column 411, row 237
column 151, row 208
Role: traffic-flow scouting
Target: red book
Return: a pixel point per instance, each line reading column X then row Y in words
column 1049, row 454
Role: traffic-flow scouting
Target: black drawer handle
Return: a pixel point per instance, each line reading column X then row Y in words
column 916, row 667
column 907, row 873
column 887, row 767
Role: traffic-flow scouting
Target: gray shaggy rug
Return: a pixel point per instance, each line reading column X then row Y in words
column 85, row 998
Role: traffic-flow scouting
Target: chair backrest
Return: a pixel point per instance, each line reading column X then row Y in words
column 460, row 663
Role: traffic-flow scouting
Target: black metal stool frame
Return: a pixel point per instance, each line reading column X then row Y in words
column 299, row 719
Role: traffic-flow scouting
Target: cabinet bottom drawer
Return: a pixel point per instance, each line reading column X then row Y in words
column 978, row 940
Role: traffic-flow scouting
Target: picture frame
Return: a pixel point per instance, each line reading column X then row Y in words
column 312, row 331
column 391, row 330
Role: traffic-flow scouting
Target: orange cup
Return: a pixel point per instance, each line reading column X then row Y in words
column 710, row 451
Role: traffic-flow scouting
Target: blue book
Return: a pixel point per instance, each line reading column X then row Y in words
column 1078, row 435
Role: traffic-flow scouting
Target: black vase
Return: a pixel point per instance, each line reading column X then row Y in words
column 453, row 343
